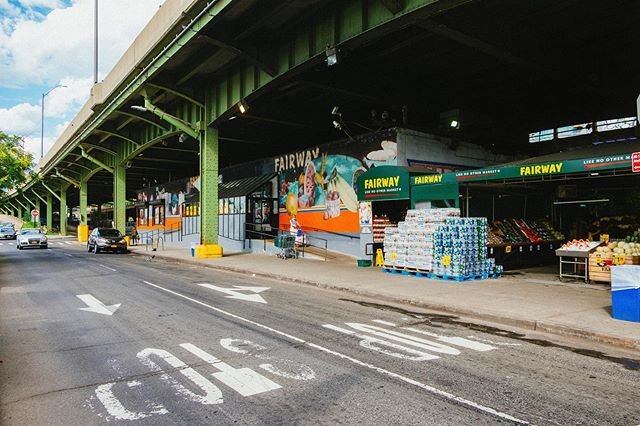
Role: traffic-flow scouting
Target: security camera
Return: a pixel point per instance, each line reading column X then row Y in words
column 182, row 138
column 129, row 164
column 337, row 125
column 335, row 110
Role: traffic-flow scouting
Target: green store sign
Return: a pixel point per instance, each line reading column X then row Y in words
column 548, row 168
column 383, row 183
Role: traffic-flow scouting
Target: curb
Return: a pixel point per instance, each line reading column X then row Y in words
column 533, row 325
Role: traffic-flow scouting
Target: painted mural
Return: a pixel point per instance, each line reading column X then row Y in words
column 317, row 185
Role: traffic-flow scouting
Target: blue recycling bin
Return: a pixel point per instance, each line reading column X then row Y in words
column 625, row 292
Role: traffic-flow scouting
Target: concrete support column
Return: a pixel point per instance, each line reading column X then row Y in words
column 63, row 211
column 120, row 197
column 83, row 227
column 49, row 212
column 209, row 187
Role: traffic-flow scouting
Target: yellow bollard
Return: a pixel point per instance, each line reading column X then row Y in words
column 83, row 233
column 128, row 240
column 379, row 258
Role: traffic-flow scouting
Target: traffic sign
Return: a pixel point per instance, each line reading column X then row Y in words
column 35, row 213
column 635, row 162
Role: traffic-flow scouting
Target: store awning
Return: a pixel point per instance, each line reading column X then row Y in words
column 243, row 187
column 559, row 165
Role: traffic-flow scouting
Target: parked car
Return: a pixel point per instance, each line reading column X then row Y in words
column 106, row 239
column 31, row 238
column 7, row 232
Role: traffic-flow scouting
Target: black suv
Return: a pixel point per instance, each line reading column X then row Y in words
column 106, row 239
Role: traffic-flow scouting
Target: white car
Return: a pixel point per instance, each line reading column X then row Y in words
column 31, row 238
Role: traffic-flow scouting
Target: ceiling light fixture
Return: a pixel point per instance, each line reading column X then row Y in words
column 139, row 108
column 332, row 56
column 243, row 107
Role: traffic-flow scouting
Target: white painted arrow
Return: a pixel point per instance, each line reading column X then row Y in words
column 234, row 293
column 97, row 306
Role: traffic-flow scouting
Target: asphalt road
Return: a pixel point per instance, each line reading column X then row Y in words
column 90, row 339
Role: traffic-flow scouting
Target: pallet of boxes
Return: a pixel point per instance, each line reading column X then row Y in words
column 610, row 255
column 438, row 243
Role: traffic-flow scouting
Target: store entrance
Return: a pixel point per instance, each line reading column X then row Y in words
column 528, row 221
column 262, row 217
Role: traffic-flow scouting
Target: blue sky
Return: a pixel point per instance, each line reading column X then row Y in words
column 45, row 43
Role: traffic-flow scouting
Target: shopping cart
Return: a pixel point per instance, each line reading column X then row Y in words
column 287, row 245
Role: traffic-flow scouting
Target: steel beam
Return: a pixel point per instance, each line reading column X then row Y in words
column 117, row 135
column 95, row 160
column 68, row 179
column 63, row 211
column 176, row 92
column 142, row 118
column 120, row 197
column 49, row 211
column 188, row 128
column 209, row 186
column 51, row 191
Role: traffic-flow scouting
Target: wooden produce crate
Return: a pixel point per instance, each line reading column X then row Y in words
column 600, row 272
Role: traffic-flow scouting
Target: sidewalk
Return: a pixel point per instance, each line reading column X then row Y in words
column 576, row 310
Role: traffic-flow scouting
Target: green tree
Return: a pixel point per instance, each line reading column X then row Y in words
column 15, row 162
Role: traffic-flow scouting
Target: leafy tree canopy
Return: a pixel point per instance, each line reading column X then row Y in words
column 15, row 162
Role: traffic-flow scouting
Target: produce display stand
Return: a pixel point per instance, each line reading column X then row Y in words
column 576, row 257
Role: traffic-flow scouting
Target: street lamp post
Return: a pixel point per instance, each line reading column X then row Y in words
column 42, row 119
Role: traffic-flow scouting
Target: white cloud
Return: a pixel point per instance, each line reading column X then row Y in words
column 60, row 45
column 41, row 51
column 22, row 119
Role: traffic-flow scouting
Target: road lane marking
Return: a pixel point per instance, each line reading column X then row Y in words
column 242, row 380
column 300, row 372
column 384, row 322
column 234, row 293
column 1, row 244
column 106, row 267
column 60, row 243
column 67, row 254
column 96, row 306
column 114, row 407
column 69, row 243
column 428, row 388
column 212, row 393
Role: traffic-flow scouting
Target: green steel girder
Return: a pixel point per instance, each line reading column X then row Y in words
column 18, row 201
column 51, row 191
column 68, row 179
column 188, row 32
column 176, row 92
column 349, row 23
column 119, row 197
column 116, row 135
column 95, row 161
column 344, row 25
column 83, row 202
column 38, row 195
column 141, row 118
column 192, row 129
column 90, row 147
column 49, row 211
column 209, row 186
column 28, row 200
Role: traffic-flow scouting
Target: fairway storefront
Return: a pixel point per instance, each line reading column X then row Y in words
column 535, row 206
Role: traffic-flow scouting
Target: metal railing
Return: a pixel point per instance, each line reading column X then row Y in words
column 254, row 230
column 174, row 229
column 151, row 238
column 190, row 225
